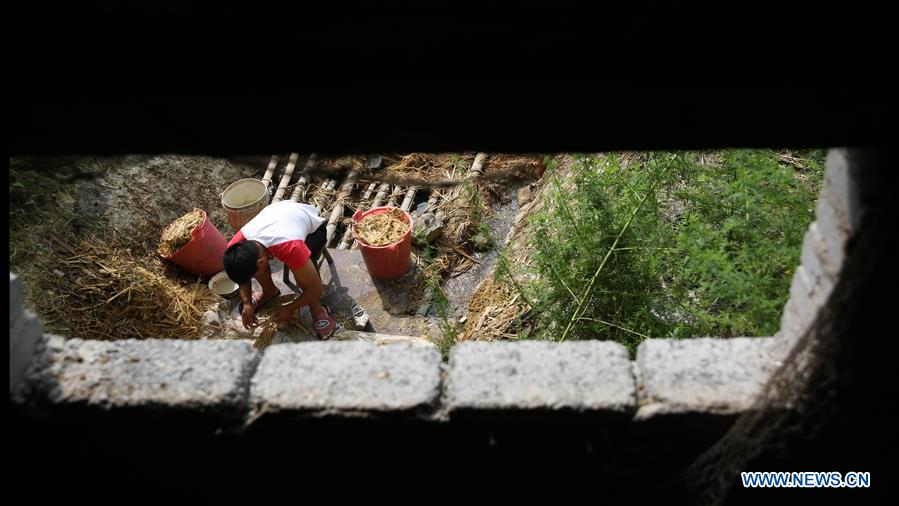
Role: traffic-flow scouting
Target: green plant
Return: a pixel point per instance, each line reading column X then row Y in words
column 449, row 332
column 739, row 241
column 589, row 228
column 435, row 297
column 669, row 248
column 481, row 236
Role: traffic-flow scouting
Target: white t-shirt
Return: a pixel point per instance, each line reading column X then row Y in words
column 282, row 228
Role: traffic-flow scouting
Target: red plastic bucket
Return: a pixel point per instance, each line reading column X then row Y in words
column 202, row 255
column 389, row 261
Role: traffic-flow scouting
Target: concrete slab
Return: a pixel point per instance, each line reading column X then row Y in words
column 704, row 374
column 341, row 377
column 388, row 303
column 505, row 375
column 153, row 373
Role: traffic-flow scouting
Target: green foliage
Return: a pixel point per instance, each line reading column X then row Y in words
column 449, row 332
column 482, row 236
column 671, row 247
column 438, row 301
column 436, row 298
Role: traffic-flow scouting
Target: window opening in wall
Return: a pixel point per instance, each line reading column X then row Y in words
column 616, row 246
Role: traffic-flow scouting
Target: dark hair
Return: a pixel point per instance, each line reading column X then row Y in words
column 240, row 261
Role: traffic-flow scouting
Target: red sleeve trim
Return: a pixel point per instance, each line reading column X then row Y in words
column 236, row 239
column 294, row 253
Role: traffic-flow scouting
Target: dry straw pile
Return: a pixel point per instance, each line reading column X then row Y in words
column 100, row 291
column 382, row 229
column 267, row 321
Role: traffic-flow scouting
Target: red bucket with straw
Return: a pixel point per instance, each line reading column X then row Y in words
column 389, row 261
column 202, row 255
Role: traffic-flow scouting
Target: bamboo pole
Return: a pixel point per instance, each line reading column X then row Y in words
column 270, row 170
column 397, row 191
column 327, row 184
column 477, row 167
column 347, row 238
column 337, row 211
column 285, row 179
column 301, row 183
column 369, row 191
column 330, row 184
column 382, row 194
column 410, row 197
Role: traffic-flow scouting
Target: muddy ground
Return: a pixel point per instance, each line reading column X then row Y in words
column 128, row 199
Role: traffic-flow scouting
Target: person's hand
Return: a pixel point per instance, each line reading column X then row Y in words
column 249, row 316
column 285, row 314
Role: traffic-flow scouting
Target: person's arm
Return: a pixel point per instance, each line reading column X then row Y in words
column 307, row 280
column 249, row 310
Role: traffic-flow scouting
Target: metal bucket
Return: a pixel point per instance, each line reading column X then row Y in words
column 243, row 200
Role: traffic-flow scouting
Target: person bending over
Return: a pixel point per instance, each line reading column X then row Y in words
column 294, row 234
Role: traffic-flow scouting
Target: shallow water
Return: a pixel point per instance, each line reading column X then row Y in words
column 460, row 289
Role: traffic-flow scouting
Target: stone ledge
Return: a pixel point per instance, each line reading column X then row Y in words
column 837, row 180
column 842, row 185
column 814, row 244
column 348, row 378
column 801, row 298
column 704, row 375
column 811, row 260
column 16, row 298
column 154, row 373
column 791, row 327
column 833, row 230
column 24, row 334
column 538, row 375
column 817, row 287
